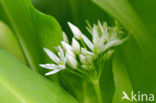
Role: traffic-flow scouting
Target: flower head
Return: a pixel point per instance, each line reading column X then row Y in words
column 59, row 62
column 82, row 52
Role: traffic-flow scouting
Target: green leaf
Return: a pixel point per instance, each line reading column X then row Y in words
column 139, row 54
column 9, row 42
column 33, row 29
column 121, row 79
column 141, row 72
column 75, row 11
column 122, row 11
column 19, row 84
column 107, row 82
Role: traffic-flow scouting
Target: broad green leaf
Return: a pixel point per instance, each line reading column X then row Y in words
column 121, row 79
column 9, row 42
column 141, row 72
column 146, row 11
column 75, row 11
column 19, row 84
column 107, row 82
column 122, row 11
column 33, row 29
column 139, row 55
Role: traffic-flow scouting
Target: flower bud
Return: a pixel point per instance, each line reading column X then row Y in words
column 70, row 53
column 76, row 46
column 71, row 61
column 75, row 30
column 89, row 59
column 66, row 46
column 83, row 59
column 86, row 52
column 65, row 38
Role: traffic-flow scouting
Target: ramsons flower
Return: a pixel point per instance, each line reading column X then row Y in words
column 77, row 33
column 59, row 62
column 83, row 55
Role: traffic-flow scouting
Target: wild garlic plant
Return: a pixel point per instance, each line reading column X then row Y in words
column 85, row 57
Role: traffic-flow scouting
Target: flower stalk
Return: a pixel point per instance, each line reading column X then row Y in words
column 96, row 85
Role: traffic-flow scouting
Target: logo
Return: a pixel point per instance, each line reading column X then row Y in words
column 142, row 97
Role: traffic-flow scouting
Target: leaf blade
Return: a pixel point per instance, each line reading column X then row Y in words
column 33, row 29
column 28, row 86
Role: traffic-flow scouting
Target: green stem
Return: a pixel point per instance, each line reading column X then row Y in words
column 85, row 96
column 83, row 43
column 96, row 85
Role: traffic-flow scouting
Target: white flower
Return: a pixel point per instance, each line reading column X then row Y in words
column 52, row 56
column 75, row 46
column 112, row 43
column 84, row 51
column 61, row 55
column 70, row 53
column 75, row 30
column 86, row 57
column 60, row 62
column 90, row 59
column 95, row 35
column 65, row 38
column 66, row 46
column 71, row 61
column 83, row 59
column 88, row 42
column 104, row 38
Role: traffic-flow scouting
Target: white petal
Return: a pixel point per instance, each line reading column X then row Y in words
column 83, row 59
column 83, row 51
column 106, row 29
column 100, row 26
column 52, row 56
column 86, row 52
column 61, row 53
column 88, row 42
column 102, row 40
column 60, row 66
column 111, row 44
column 89, row 59
column 95, row 35
column 72, row 62
column 65, row 38
column 53, row 72
column 66, row 46
column 71, row 54
column 75, row 30
column 48, row 66
column 76, row 46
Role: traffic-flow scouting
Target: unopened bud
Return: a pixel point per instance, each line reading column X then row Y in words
column 76, row 46
column 75, row 30
column 71, row 61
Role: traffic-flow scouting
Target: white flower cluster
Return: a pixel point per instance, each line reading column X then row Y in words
column 82, row 51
